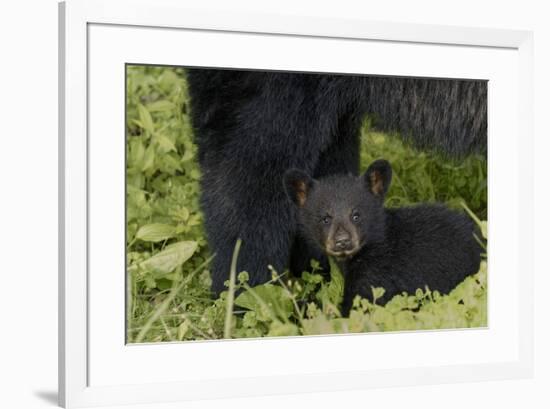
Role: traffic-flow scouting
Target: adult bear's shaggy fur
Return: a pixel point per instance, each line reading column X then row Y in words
column 251, row 126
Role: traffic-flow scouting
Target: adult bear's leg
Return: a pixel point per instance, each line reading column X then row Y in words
column 251, row 128
column 246, row 200
column 342, row 155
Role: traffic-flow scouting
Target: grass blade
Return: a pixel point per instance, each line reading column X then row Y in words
column 231, row 291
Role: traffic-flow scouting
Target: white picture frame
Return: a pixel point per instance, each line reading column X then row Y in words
column 96, row 369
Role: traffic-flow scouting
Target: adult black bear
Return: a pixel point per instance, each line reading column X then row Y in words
column 251, row 126
column 400, row 249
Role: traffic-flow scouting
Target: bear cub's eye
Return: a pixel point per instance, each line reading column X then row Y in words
column 355, row 217
column 326, row 219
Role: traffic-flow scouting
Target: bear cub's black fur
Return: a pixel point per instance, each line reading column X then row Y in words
column 399, row 249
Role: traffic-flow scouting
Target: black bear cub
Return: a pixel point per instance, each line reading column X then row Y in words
column 400, row 249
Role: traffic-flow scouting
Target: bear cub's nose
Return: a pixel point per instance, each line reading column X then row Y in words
column 342, row 240
column 343, row 244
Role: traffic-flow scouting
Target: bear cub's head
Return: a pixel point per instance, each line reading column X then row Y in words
column 341, row 213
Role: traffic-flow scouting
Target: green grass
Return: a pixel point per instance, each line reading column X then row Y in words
column 168, row 255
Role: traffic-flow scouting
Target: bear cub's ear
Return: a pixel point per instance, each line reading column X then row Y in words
column 298, row 185
column 378, row 177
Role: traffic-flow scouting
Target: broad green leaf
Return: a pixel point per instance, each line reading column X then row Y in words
column 278, row 329
column 149, row 158
column 165, row 143
column 137, row 122
column 377, row 293
column 145, row 119
column 249, row 319
column 182, row 329
column 483, row 227
column 161, row 105
column 195, row 174
column 194, row 220
column 188, row 154
column 318, row 326
column 183, row 213
column 137, row 152
column 170, row 164
column 264, row 296
column 155, row 232
column 356, row 321
column 170, row 258
column 150, row 282
column 397, row 303
column 168, row 80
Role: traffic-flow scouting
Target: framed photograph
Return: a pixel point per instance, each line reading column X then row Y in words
column 260, row 204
